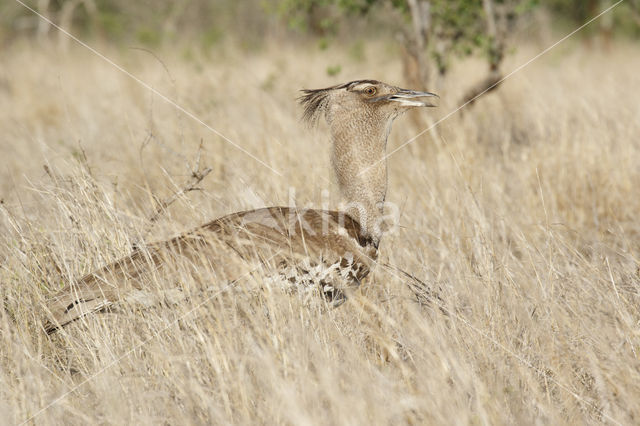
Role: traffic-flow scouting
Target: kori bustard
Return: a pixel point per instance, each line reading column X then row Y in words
column 329, row 249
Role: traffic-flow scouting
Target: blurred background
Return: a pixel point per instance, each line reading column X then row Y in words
column 428, row 35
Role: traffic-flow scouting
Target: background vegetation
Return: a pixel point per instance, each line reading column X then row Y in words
column 519, row 212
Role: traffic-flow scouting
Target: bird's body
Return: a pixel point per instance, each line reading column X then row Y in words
column 306, row 247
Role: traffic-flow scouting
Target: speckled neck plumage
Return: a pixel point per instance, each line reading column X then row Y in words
column 358, row 158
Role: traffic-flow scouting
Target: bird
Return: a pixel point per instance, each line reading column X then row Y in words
column 327, row 249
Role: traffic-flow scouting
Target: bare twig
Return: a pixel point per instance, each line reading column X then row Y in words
column 190, row 185
column 424, row 293
column 197, row 176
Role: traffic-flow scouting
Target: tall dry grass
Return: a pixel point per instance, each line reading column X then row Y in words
column 521, row 214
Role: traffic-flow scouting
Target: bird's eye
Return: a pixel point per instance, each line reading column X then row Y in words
column 370, row 90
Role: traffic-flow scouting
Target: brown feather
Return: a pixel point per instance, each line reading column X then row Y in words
column 275, row 237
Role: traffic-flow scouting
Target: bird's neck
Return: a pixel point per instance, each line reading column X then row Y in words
column 358, row 157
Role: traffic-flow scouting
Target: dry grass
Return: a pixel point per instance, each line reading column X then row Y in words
column 521, row 213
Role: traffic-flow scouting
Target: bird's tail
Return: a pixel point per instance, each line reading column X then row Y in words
column 98, row 290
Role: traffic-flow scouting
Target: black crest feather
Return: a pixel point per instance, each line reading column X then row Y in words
column 314, row 102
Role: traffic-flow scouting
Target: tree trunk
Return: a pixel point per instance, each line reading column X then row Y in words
column 496, row 54
column 415, row 64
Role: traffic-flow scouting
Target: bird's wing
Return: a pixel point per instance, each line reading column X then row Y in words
column 234, row 246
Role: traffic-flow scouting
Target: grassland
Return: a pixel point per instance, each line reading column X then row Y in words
column 520, row 213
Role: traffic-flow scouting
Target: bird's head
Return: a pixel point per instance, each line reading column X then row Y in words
column 366, row 99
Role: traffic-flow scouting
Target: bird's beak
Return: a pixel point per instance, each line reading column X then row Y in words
column 412, row 98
